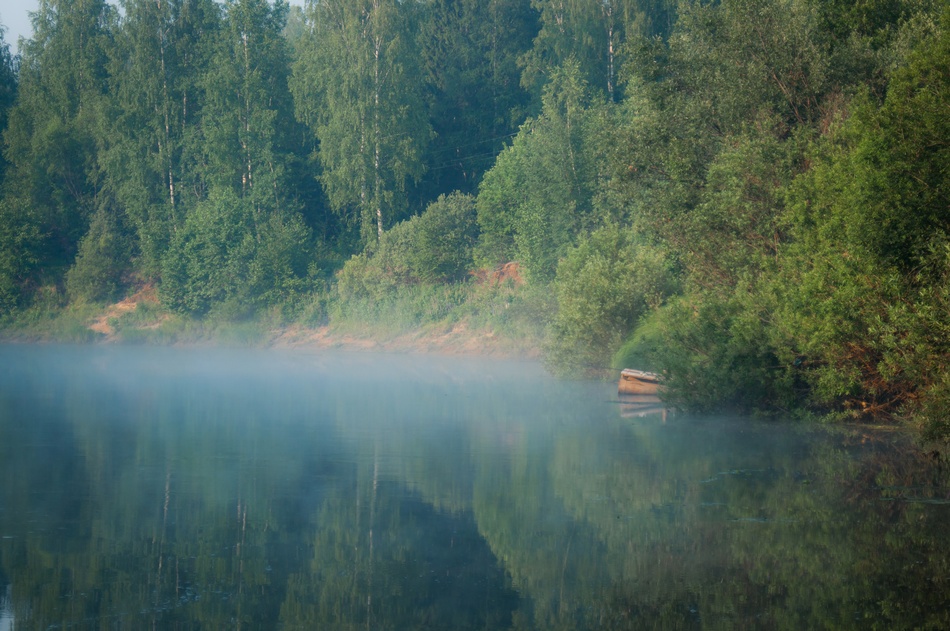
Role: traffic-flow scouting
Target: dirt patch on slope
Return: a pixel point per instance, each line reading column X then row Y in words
column 102, row 324
column 456, row 339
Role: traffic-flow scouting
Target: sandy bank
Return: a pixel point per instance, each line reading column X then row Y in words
column 458, row 339
column 455, row 339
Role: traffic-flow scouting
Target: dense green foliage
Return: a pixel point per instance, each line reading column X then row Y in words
column 434, row 247
column 604, row 286
column 539, row 196
column 749, row 195
column 866, row 273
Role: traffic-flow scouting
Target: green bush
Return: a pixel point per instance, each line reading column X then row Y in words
column 230, row 259
column 202, row 266
column 19, row 242
column 714, row 355
column 104, row 254
column 434, row 247
column 280, row 268
column 381, row 267
column 862, row 297
column 604, row 287
column 445, row 239
column 643, row 349
column 311, row 310
column 50, row 318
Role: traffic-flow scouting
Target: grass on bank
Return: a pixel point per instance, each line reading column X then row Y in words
column 514, row 315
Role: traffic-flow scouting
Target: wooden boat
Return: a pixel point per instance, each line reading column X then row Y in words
column 638, row 382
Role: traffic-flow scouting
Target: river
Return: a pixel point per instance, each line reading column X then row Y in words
column 209, row 489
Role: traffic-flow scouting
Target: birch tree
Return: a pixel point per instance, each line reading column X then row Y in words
column 53, row 130
column 248, row 102
column 161, row 50
column 592, row 32
column 356, row 86
column 243, row 245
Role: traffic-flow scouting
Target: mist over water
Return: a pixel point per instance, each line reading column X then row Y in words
column 200, row 488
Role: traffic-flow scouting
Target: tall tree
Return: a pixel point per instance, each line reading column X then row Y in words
column 248, row 103
column 247, row 225
column 592, row 32
column 469, row 52
column 161, row 49
column 716, row 127
column 55, row 127
column 18, row 233
column 569, row 29
column 356, row 85
column 8, row 87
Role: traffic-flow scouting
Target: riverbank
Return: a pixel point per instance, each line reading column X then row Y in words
column 141, row 319
column 455, row 339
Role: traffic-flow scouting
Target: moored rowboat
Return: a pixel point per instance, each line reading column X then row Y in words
column 638, row 382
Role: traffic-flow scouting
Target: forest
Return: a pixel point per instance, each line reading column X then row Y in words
column 749, row 196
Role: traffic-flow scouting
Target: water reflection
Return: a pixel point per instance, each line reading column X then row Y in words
column 642, row 406
column 226, row 489
column 6, row 609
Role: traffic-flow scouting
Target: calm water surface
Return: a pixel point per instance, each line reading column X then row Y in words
column 186, row 489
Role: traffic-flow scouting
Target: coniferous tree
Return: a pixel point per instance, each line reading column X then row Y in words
column 469, row 51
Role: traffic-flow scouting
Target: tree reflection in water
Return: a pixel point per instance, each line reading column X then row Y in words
column 198, row 489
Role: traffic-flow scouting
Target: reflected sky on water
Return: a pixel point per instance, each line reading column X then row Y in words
column 201, row 488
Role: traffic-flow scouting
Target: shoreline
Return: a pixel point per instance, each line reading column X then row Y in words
column 454, row 343
column 116, row 324
column 458, row 340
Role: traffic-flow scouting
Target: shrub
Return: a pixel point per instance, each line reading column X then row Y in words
column 714, row 353
column 381, row 267
column 445, row 239
column 104, row 254
column 229, row 258
column 604, row 287
column 434, row 247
